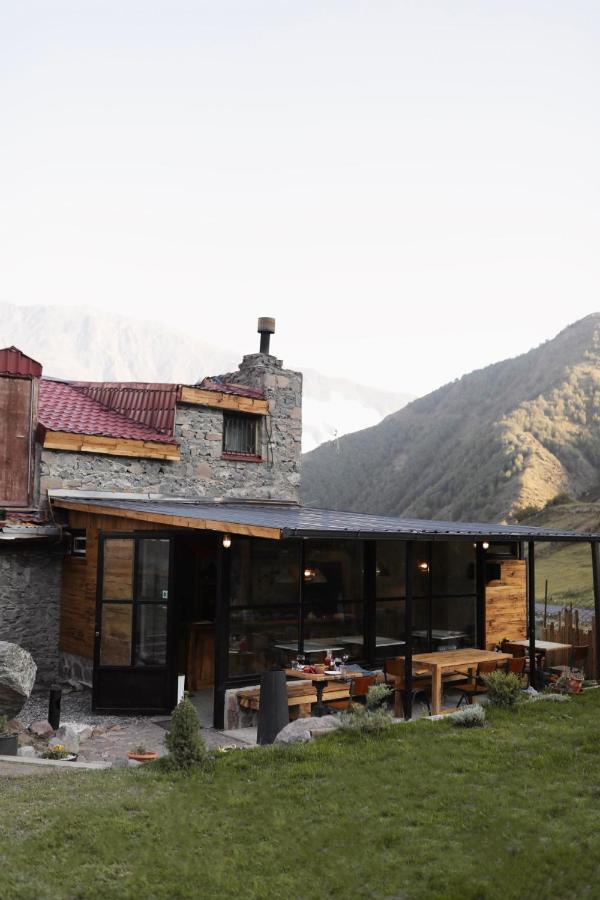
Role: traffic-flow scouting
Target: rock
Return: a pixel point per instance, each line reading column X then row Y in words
column 68, row 736
column 29, row 752
column 83, row 731
column 16, row 727
column 17, row 676
column 41, row 728
column 300, row 731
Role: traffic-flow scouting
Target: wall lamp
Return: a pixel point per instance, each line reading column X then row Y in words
column 227, row 541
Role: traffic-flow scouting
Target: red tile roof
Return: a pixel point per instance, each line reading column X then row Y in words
column 65, row 406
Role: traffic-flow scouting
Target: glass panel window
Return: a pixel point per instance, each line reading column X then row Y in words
column 332, row 572
column 261, row 638
column 117, row 581
column 453, row 568
column 391, row 569
column 153, row 569
column 453, row 622
column 151, row 634
column 275, row 574
column 389, row 628
column 337, row 627
column 115, row 644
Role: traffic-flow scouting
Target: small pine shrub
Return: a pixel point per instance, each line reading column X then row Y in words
column 186, row 748
column 503, row 689
column 469, row 717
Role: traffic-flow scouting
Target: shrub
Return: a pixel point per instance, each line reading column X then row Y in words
column 470, row 717
column 378, row 695
column 503, row 689
column 373, row 716
column 186, row 747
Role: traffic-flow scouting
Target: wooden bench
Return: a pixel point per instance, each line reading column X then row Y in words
column 300, row 697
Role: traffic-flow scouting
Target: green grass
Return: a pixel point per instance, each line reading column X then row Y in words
column 423, row 811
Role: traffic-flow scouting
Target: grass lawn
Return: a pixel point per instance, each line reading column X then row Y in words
column 424, row 811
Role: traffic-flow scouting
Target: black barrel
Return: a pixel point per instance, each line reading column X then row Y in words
column 273, row 714
column 54, row 706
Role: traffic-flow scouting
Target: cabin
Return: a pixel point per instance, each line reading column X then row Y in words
column 179, row 551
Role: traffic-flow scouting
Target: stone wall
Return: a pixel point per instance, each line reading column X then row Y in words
column 30, row 580
column 201, row 471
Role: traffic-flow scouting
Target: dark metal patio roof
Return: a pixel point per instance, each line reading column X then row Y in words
column 281, row 521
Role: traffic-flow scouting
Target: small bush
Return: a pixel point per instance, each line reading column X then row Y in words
column 378, row 695
column 365, row 721
column 503, row 689
column 470, row 717
column 186, row 748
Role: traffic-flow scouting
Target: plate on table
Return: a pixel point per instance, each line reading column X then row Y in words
column 332, row 672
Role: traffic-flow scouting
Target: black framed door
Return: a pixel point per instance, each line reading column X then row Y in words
column 134, row 646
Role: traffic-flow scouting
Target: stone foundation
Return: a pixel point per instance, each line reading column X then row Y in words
column 30, row 584
column 76, row 668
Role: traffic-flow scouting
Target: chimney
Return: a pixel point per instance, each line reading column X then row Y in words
column 266, row 327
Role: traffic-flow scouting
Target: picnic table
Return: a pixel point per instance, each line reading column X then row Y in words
column 320, row 681
column 466, row 659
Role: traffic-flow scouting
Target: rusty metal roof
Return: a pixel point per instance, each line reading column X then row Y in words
column 14, row 362
column 229, row 387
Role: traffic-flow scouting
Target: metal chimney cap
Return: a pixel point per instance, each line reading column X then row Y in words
column 266, row 325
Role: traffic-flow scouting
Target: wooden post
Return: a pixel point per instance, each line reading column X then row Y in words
column 408, row 629
column 531, row 611
column 596, row 580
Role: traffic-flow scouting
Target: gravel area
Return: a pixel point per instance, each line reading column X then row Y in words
column 113, row 736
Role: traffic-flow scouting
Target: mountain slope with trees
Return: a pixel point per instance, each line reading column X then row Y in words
column 512, row 435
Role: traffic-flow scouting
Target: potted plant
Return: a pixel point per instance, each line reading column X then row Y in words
column 58, row 752
column 141, row 754
column 9, row 742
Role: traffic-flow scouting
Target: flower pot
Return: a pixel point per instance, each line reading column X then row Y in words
column 142, row 757
column 9, row 744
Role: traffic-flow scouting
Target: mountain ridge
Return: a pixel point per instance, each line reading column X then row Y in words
column 512, row 434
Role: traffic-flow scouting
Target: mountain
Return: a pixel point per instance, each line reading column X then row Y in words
column 512, row 435
column 87, row 344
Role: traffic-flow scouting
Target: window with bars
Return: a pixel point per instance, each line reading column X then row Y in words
column 241, row 435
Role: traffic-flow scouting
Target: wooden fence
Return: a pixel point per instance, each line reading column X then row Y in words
column 569, row 630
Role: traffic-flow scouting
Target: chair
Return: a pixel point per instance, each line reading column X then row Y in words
column 394, row 672
column 476, row 686
column 359, row 688
column 516, row 666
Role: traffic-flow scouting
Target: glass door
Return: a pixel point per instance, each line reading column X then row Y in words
column 133, row 659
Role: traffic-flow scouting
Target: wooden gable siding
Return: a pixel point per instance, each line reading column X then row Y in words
column 16, row 406
column 78, row 598
column 506, row 604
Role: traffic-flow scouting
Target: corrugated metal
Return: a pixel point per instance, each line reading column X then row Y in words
column 298, row 521
column 14, row 362
column 148, row 404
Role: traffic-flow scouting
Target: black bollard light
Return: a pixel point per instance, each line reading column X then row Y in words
column 273, row 711
column 54, row 706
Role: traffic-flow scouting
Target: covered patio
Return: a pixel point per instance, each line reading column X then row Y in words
column 227, row 590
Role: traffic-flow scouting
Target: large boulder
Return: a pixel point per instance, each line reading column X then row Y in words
column 17, row 676
column 301, row 730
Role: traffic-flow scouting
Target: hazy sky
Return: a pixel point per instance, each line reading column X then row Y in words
column 411, row 188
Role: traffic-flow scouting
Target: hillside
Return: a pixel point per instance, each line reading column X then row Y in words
column 88, row 344
column 514, row 434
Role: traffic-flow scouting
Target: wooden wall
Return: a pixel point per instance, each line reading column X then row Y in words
column 506, row 603
column 78, row 599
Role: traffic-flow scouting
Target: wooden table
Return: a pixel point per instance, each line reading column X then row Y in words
column 466, row 659
column 547, row 646
column 319, row 681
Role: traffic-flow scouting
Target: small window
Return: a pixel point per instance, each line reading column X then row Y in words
column 78, row 542
column 240, row 435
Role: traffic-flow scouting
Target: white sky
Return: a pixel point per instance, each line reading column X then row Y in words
column 411, row 188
